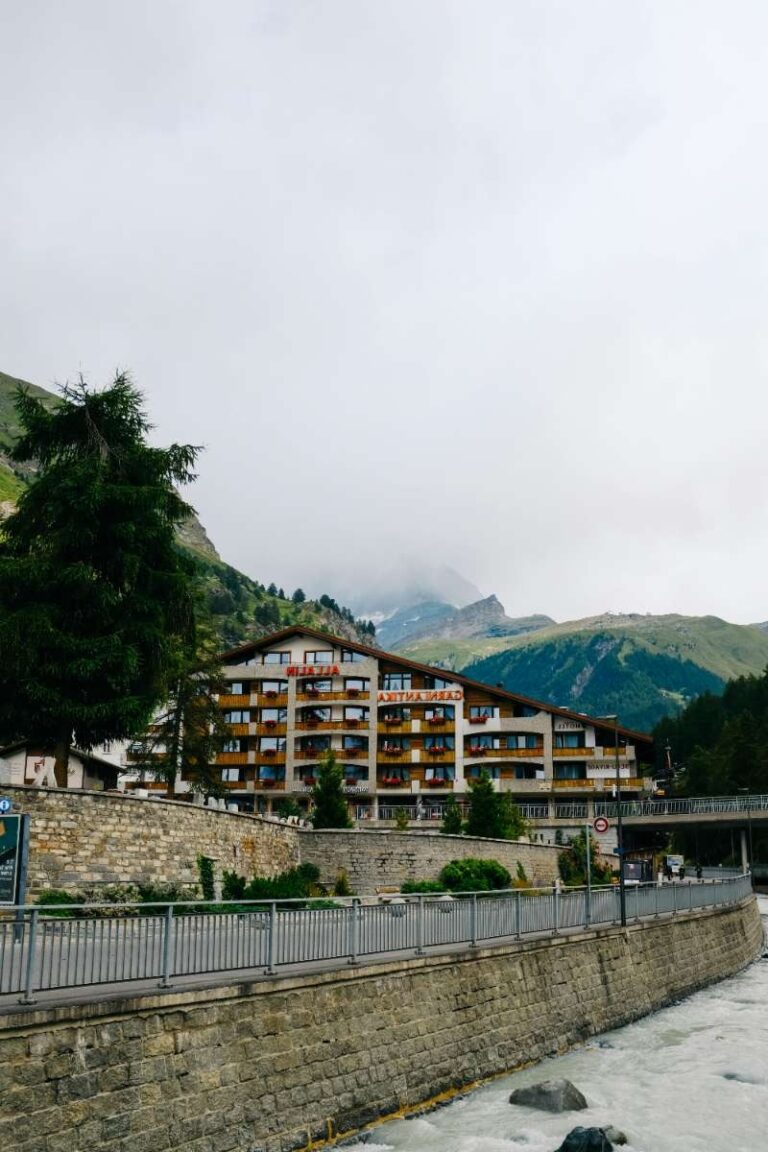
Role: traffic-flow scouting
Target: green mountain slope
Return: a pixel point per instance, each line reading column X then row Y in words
column 241, row 608
column 640, row 667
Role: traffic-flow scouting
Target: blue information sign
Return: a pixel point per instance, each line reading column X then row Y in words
column 10, row 853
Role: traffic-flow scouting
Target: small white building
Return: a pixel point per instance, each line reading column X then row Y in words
column 33, row 764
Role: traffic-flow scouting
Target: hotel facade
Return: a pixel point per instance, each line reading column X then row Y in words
column 406, row 735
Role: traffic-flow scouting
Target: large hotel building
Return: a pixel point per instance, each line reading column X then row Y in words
column 407, row 735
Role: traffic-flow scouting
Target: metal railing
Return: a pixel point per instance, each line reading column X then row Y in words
column 102, row 944
column 685, row 806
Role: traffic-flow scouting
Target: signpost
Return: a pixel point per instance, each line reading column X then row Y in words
column 600, row 825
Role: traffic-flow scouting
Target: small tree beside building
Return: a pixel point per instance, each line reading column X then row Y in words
column 330, row 804
column 492, row 813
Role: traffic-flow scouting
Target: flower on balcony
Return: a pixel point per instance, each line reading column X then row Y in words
column 477, row 750
column 437, row 719
column 391, row 750
column 271, row 694
column 436, row 750
column 313, row 692
column 312, row 722
column 352, row 723
column 270, row 723
column 392, row 781
column 478, row 719
column 437, row 780
column 391, row 719
column 308, row 781
column 269, row 751
column 353, row 692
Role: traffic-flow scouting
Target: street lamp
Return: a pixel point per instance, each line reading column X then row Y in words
column 619, row 829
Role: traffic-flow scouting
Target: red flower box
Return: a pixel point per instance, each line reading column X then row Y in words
column 270, row 723
column 478, row 719
column 353, row 692
column 271, row 695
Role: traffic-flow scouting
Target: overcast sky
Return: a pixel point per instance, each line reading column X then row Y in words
column 478, row 283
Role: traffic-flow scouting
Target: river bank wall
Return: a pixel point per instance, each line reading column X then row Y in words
column 269, row 1066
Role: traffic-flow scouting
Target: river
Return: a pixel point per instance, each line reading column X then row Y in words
column 690, row 1078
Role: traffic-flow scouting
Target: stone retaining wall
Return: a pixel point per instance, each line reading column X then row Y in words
column 79, row 839
column 268, row 1066
column 386, row 859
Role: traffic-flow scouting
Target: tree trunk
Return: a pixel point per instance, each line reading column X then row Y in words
column 61, row 767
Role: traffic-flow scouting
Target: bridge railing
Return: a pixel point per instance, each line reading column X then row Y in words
column 684, row 806
column 102, row 944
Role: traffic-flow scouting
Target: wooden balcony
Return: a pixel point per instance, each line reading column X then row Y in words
column 574, row 785
column 264, row 756
column 579, row 753
column 507, row 753
column 230, row 701
column 392, row 782
column 396, row 727
column 271, row 700
column 439, row 754
column 332, row 725
column 269, row 785
column 270, row 728
column 232, row 758
column 239, row 729
column 392, row 753
column 310, row 753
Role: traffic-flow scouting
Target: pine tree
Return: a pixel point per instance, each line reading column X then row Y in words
column 298, row 596
column 492, row 813
column 330, row 805
column 452, row 822
column 186, row 736
column 94, row 593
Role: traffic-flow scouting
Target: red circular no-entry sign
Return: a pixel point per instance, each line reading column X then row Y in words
column 600, row 825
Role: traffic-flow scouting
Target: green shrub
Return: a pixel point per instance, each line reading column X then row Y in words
column 402, row 819
column 55, row 902
column 470, row 875
column 422, row 886
column 205, row 872
column 233, row 886
column 310, row 873
column 342, row 886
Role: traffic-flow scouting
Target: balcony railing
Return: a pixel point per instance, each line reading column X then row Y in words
column 227, row 700
column 232, row 758
column 269, row 700
column 583, row 753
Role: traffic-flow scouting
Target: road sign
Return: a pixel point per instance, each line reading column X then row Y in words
column 600, row 825
column 5, row 805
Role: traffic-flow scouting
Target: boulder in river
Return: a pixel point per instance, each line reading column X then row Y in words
column 550, row 1096
column 586, row 1140
column 615, row 1135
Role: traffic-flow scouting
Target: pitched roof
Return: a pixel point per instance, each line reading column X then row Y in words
column 429, row 670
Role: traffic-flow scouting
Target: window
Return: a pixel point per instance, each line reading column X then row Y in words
column 442, row 712
column 569, row 739
column 350, row 657
column 396, row 744
column 359, row 743
column 312, row 687
column 319, row 656
column 268, row 773
column 441, row 743
column 570, row 772
column 528, row 772
column 442, row 773
column 316, row 715
column 531, row 740
column 361, row 715
column 238, row 716
column 396, row 716
column 493, row 770
column 484, row 742
column 396, row 681
column 236, row 688
column 316, row 744
column 272, row 744
column 274, row 715
column 277, row 657
column 356, row 684
column 479, row 711
column 274, row 687
column 436, row 682
column 236, row 745
column 230, row 775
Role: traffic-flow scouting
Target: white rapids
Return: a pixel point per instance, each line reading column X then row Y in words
column 690, row 1078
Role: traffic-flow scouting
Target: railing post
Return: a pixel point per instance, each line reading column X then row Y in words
column 690, row 896
column 272, row 954
column 517, row 914
column 353, row 924
column 420, row 926
column 473, row 921
column 556, row 909
column 28, row 998
column 674, row 898
column 165, row 981
column 587, row 906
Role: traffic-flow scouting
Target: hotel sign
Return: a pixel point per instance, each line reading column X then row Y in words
column 313, row 670
column 421, row 696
